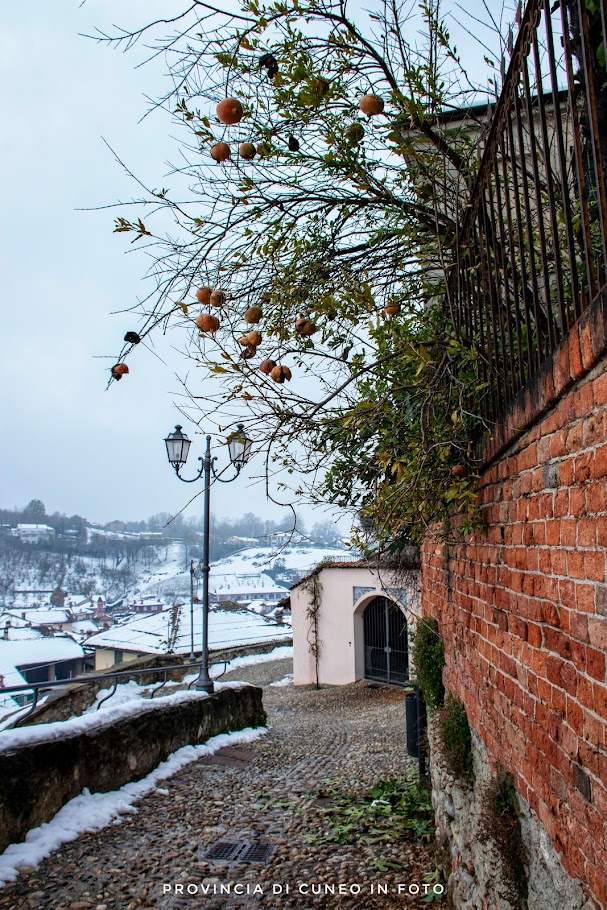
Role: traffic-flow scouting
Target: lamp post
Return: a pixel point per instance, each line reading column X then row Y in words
column 178, row 446
column 195, row 572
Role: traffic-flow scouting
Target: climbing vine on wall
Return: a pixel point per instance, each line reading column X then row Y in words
column 313, row 589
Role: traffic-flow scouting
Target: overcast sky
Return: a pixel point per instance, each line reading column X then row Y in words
column 65, row 439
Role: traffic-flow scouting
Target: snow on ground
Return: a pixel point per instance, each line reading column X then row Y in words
column 280, row 653
column 285, row 681
column 93, row 811
column 296, row 558
column 133, row 691
column 172, row 574
column 12, row 739
column 134, row 695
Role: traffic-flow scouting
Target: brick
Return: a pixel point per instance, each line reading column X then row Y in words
column 558, row 560
column 561, row 674
column 597, row 632
column 599, row 467
column 584, row 467
column 586, row 532
column 583, row 401
column 568, row 532
column 599, row 693
column 575, row 437
column 599, row 390
column 578, row 626
column 600, row 599
column 595, row 664
column 560, row 369
column 595, row 566
column 575, row 564
column 576, row 365
column 534, row 635
column 585, row 597
column 586, row 346
column 595, row 316
column 594, row 429
column 577, row 501
column 596, row 497
column 550, row 614
column 558, row 444
column 561, row 500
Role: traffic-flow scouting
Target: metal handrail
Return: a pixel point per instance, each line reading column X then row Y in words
column 90, row 680
column 55, row 683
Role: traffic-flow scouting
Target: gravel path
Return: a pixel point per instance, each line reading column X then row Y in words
column 268, row 792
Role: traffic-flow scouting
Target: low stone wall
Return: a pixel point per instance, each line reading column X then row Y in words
column 72, row 701
column 36, row 780
column 474, row 865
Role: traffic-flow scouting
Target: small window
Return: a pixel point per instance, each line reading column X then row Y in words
column 118, row 657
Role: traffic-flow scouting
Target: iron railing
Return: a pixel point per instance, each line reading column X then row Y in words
column 531, row 250
column 33, row 690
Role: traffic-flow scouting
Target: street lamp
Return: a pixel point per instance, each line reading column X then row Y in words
column 178, row 446
column 195, row 573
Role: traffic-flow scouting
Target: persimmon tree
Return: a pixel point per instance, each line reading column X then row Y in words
column 314, row 216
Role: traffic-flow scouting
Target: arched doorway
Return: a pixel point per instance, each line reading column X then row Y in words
column 386, row 647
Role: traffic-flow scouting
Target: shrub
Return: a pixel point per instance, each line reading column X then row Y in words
column 429, row 657
column 456, row 739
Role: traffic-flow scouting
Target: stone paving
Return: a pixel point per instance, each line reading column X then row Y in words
column 266, row 792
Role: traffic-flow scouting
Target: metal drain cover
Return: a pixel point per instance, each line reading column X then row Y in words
column 257, row 853
column 241, row 853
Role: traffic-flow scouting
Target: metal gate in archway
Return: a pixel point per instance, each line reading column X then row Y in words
column 386, row 651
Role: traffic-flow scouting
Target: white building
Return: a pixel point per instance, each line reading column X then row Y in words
column 352, row 622
column 244, row 587
column 35, row 533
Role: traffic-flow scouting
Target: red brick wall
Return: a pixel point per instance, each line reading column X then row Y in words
column 522, row 608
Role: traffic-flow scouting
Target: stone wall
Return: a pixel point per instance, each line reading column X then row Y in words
column 37, row 780
column 473, row 863
column 522, row 604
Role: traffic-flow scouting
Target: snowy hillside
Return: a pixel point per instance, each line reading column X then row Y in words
column 170, row 576
column 158, row 570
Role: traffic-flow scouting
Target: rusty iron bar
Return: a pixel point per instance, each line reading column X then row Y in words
column 531, row 249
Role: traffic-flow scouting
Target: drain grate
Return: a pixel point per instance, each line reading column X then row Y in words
column 242, row 853
column 257, row 853
column 223, row 850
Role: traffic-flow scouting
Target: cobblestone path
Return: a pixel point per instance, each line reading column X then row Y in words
column 266, row 792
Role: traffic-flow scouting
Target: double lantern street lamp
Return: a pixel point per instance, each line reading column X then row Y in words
column 178, row 446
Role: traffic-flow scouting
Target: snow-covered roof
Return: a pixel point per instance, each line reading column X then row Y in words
column 43, row 616
column 29, row 527
column 154, row 634
column 35, row 652
column 244, row 583
column 15, row 620
column 85, row 625
column 19, row 633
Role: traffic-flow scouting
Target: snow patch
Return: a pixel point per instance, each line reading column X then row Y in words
column 93, row 811
column 285, row 681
